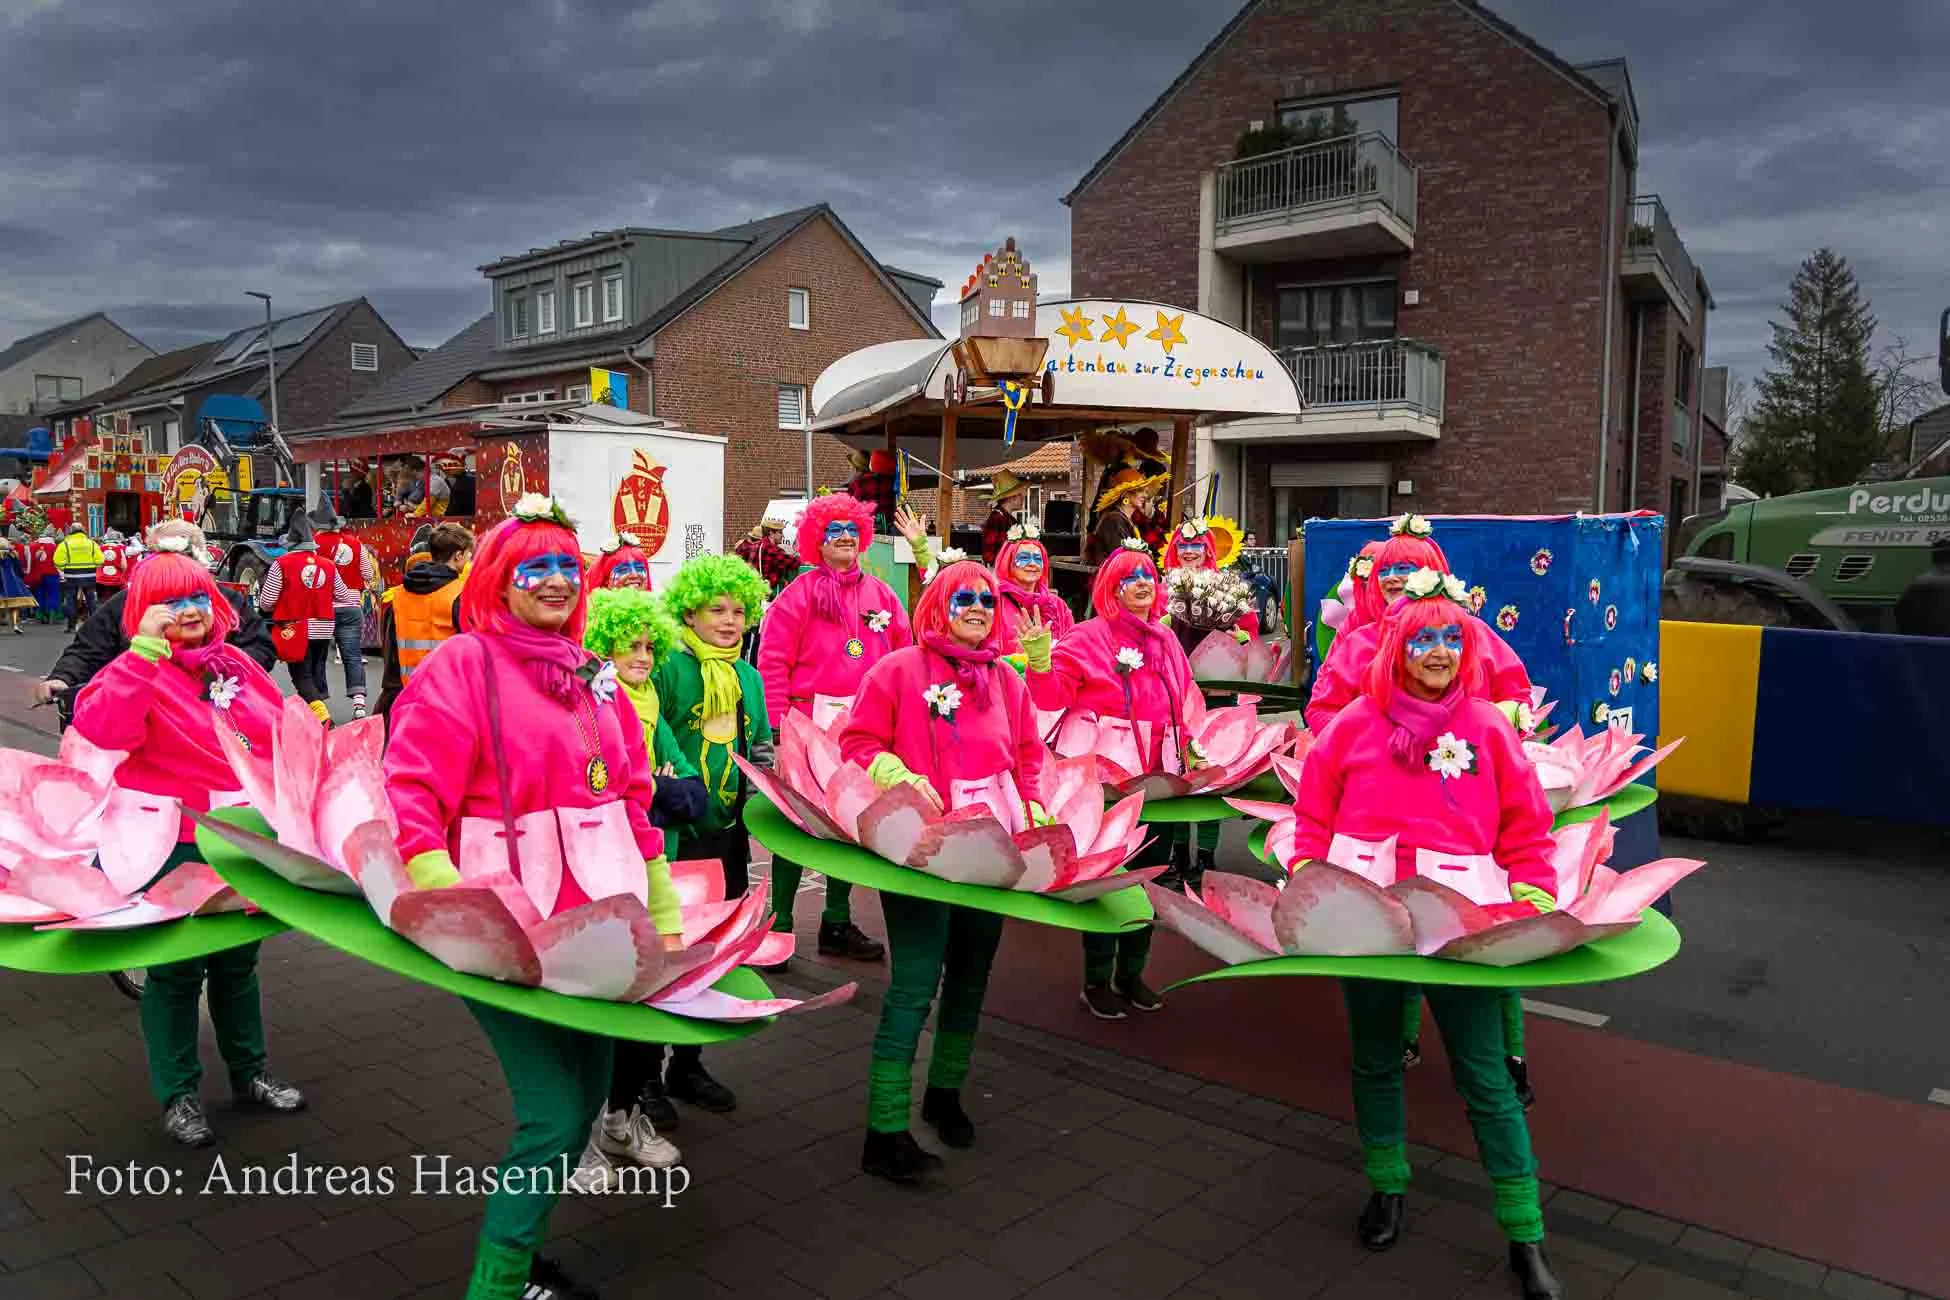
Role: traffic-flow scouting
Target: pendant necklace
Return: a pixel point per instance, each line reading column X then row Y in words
column 595, row 773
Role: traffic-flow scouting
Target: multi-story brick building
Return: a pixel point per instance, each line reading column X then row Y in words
column 721, row 332
column 1436, row 222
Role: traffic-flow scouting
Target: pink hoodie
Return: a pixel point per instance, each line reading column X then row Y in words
column 1016, row 602
column 1351, row 785
column 1084, row 675
column 1349, row 658
column 991, row 732
column 440, row 764
column 158, row 713
column 804, row 651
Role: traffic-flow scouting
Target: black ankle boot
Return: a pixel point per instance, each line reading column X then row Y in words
column 1380, row 1224
column 941, row 1107
column 897, row 1157
column 548, row 1281
column 1520, row 1079
column 1195, row 874
column 1534, row 1271
column 845, row 939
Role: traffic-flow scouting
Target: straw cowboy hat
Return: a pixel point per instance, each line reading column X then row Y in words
column 1005, row 484
column 1127, row 480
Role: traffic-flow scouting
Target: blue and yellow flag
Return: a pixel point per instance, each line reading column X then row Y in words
column 609, row 387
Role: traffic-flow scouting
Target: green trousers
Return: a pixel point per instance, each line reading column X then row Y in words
column 785, row 890
column 931, row 946
column 559, row 1079
column 1512, row 1019
column 1207, row 834
column 1123, row 955
column 168, row 1015
column 1471, row 1021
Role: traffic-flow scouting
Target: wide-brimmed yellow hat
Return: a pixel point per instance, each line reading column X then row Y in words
column 1124, row 481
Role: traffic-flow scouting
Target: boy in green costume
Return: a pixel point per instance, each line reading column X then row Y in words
column 714, row 705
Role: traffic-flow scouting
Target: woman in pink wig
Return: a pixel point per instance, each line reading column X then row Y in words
column 1022, row 577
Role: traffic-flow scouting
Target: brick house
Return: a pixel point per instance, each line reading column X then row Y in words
column 1436, row 223
column 720, row 332
column 66, row 362
column 1054, row 472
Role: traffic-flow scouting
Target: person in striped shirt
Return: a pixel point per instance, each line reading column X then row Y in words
column 299, row 596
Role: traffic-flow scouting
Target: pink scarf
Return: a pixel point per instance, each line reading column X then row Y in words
column 973, row 666
column 836, row 596
column 1419, row 723
column 1042, row 600
column 549, row 658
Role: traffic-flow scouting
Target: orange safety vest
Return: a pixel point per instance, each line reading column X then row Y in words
column 421, row 623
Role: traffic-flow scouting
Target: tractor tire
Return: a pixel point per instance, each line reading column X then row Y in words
column 248, row 573
column 1691, row 600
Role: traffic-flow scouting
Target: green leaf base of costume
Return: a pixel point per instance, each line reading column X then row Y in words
column 1632, row 799
column 1212, row 807
column 98, row 952
column 1653, row 943
column 1124, row 909
column 350, row 925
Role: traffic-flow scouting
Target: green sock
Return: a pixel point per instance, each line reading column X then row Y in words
column 500, row 1272
column 1412, row 1016
column 839, row 902
column 785, row 892
column 1512, row 1023
column 1517, row 1210
column 1387, row 1164
column 948, row 1066
column 888, row 1086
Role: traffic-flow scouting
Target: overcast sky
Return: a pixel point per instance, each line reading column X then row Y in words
column 160, row 157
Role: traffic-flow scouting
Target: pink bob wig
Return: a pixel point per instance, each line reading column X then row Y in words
column 1368, row 604
column 484, row 600
column 165, row 576
column 931, row 610
column 1422, row 552
column 606, row 564
column 1005, row 561
column 1126, row 562
column 1398, row 627
column 835, row 507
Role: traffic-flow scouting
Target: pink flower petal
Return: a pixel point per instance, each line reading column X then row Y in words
column 350, row 796
column 469, row 930
column 1282, row 842
column 703, row 921
column 136, row 835
column 1327, row 912
column 1084, row 890
column 374, row 859
column 1516, row 942
column 363, row 741
column 297, row 757
column 1288, row 768
column 77, row 751
column 1157, row 785
column 711, row 1004
column 1243, row 903
column 747, row 924
column 254, row 774
column 1635, row 890
column 1271, row 812
column 602, row 853
column 1120, row 822
column 849, row 794
column 300, row 869
column 774, row 948
column 969, row 850
column 71, row 884
column 17, row 909
column 600, row 950
column 1438, row 912
column 1227, row 734
column 1208, row 931
column 1049, row 858
column 484, row 853
column 191, row 887
column 61, row 805
column 773, row 788
column 698, row 881
column 894, row 825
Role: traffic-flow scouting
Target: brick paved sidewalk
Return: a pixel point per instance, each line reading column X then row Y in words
column 1094, row 1176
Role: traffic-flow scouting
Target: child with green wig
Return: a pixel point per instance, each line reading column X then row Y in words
column 629, row 627
column 714, row 703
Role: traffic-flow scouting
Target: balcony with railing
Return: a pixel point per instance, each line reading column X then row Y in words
column 1656, row 262
column 1333, row 198
column 1384, row 390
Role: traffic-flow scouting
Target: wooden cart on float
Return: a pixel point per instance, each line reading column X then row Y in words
column 1023, row 373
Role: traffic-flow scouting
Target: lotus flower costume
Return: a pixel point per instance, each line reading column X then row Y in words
column 1229, row 748
column 1222, row 657
column 324, row 795
column 1578, row 770
column 79, row 851
column 1076, row 858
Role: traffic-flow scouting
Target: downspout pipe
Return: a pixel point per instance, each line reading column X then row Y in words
column 1638, row 375
column 1611, row 306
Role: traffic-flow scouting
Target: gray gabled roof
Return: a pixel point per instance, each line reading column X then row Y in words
column 234, row 356
column 433, row 374
column 21, row 349
column 1471, row 7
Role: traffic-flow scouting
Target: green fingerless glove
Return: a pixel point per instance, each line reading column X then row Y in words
column 924, row 554
column 1537, row 898
column 152, row 648
column 1241, row 635
column 433, row 869
column 1035, row 650
column 1508, row 708
column 1037, row 817
column 666, row 912
column 888, row 771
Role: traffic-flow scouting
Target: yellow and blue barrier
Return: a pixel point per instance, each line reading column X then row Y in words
column 1845, row 722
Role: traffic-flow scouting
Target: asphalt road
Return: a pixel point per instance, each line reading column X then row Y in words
column 1822, row 951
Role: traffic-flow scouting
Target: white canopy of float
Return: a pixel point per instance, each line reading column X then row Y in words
column 1110, row 364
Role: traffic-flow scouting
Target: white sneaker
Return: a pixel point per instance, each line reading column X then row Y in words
column 593, row 1173
column 629, row 1135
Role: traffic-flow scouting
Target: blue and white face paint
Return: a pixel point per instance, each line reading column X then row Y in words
column 1430, row 639
column 530, row 574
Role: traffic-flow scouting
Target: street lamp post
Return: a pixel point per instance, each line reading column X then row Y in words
column 270, row 353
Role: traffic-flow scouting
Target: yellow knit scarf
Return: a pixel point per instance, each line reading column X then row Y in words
column 716, row 666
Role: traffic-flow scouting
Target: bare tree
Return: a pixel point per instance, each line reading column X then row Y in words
column 1905, row 385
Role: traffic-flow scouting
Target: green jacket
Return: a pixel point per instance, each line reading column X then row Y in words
column 680, row 691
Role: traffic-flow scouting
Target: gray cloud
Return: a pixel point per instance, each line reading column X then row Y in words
column 389, row 149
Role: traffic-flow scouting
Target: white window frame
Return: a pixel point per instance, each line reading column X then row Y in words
column 576, row 393
column 368, row 351
column 612, row 278
column 582, row 298
column 802, row 300
column 1020, row 309
column 545, row 311
column 518, row 315
column 998, row 308
column 805, row 417
column 533, row 395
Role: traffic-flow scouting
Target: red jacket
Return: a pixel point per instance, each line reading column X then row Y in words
column 114, row 568
column 345, row 551
column 306, row 588
column 40, row 561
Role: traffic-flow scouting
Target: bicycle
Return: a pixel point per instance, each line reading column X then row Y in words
column 130, row 983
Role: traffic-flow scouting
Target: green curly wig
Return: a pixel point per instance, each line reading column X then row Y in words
column 619, row 615
column 704, row 578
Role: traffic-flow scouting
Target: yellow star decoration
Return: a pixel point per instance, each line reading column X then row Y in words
column 1117, row 328
column 1075, row 327
column 1168, row 331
